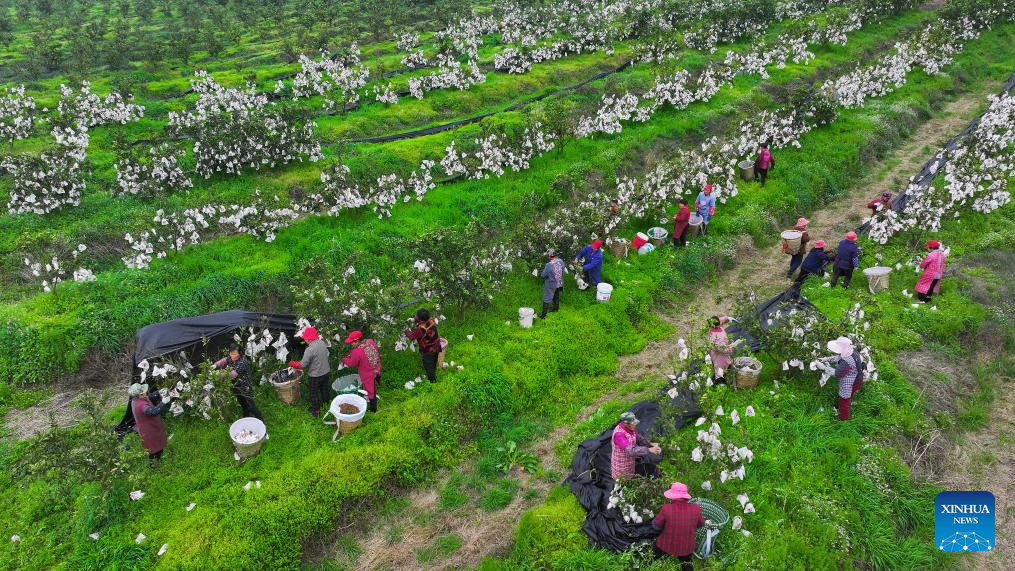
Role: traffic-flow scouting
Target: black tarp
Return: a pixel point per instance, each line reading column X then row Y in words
column 785, row 302
column 192, row 333
column 590, row 480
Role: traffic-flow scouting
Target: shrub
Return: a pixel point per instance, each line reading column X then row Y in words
column 552, row 530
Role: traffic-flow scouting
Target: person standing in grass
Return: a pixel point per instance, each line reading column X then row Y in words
column 680, row 223
column 933, row 266
column 239, row 370
column 764, row 162
column 367, row 360
column 591, row 258
column 847, row 258
column 797, row 257
column 318, row 369
column 678, row 522
column 425, row 335
column 704, row 206
column 628, row 446
column 848, row 371
column 721, row 351
column 815, row 261
column 553, row 283
column 880, row 204
column 148, row 420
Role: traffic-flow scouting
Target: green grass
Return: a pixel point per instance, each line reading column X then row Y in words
column 441, row 548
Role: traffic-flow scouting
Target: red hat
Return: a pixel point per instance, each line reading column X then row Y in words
column 819, row 244
column 933, row 244
column 354, row 336
column 851, row 236
column 310, row 334
column 596, row 244
column 708, row 187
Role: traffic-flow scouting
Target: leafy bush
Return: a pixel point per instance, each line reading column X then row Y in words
column 550, row 531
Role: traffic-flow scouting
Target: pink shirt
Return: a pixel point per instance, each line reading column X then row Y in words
column 360, row 359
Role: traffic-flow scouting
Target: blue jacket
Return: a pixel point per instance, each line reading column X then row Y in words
column 815, row 261
column 592, row 263
column 847, row 256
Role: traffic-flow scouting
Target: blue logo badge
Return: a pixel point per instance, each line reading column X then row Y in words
column 964, row 521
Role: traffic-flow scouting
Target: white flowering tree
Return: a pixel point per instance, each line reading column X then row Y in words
column 17, row 114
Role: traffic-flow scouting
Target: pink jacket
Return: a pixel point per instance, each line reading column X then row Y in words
column 933, row 268
column 367, row 360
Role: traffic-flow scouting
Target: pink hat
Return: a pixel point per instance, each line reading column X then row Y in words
column 851, row 236
column 677, row 491
column 819, row 244
column 933, row 244
column 309, row 334
column 596, row 244
column 708, row 187
column 802, row 221
column 354, row 336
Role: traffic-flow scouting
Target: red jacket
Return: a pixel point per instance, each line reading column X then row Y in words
column 151, row 428
column 679, row 521
column 680, row 220
column 367, row 360
column 425, row 334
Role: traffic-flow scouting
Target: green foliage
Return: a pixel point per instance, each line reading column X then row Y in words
column 549, row 532
column 512, row 457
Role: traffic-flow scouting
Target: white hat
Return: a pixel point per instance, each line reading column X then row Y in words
column 842, row 346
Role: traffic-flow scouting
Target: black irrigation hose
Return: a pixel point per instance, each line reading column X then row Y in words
column 455, row 124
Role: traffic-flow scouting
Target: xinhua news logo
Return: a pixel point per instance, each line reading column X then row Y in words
column 964, row 521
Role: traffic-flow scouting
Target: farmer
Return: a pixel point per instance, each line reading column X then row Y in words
column 239, row 370
column 721, row 351
column 318, row 369
column 148, row 420
column 553, row 283
column 880, row 204
column 815, row 261
column 797, row 257
column 933, row 268
column 367, row 359
column 678, row 521
column 764, row 162
column 425, row 335
column 848, row 371
column 704, row 205
column 629, row 446
column 847, row 258
column 591, row 258
column 680, row 224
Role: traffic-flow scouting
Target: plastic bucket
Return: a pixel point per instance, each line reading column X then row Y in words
column 603, row 292
column 347, row 422
column 746, row 169
column 639, row 240
column 247, row 450
column 792, row 239
column 525, row 315
column 347, row 384
column 657, row 235
column 619, row 249
column 287, row 385
column 694, row 224
column 877, row 278
column 646, row 248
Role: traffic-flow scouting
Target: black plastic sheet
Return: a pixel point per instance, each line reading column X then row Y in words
column 590, row 480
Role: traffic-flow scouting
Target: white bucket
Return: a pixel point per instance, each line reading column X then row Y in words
column 657, row 235
column 525, row 315
column 604, row 291
column 792, row 239
column 646, row 248
column 694, row 224
column 247, row 450
column 877, row 278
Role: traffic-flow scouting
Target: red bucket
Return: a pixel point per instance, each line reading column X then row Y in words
column 639, row 240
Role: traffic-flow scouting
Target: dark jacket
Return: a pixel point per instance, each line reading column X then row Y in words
column 815, row 261
column 847, row 256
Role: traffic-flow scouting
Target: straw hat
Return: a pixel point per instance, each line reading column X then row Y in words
column 841, row 345
column 677, row 491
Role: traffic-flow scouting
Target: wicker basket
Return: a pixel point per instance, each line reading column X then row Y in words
column 704, row 536
column 748, row 372
column 287, row 385
column 619, row 249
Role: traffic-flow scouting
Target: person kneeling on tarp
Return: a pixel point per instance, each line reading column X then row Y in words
column 365, row 357
column 148, row 421
column 848, row 371
column 679, row 520
column 239, row 370
column 629, row 446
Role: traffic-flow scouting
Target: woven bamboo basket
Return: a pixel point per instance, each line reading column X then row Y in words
column 287, row 386
column 748, row 372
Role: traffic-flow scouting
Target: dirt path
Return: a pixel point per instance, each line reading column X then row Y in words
column 489, row 533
